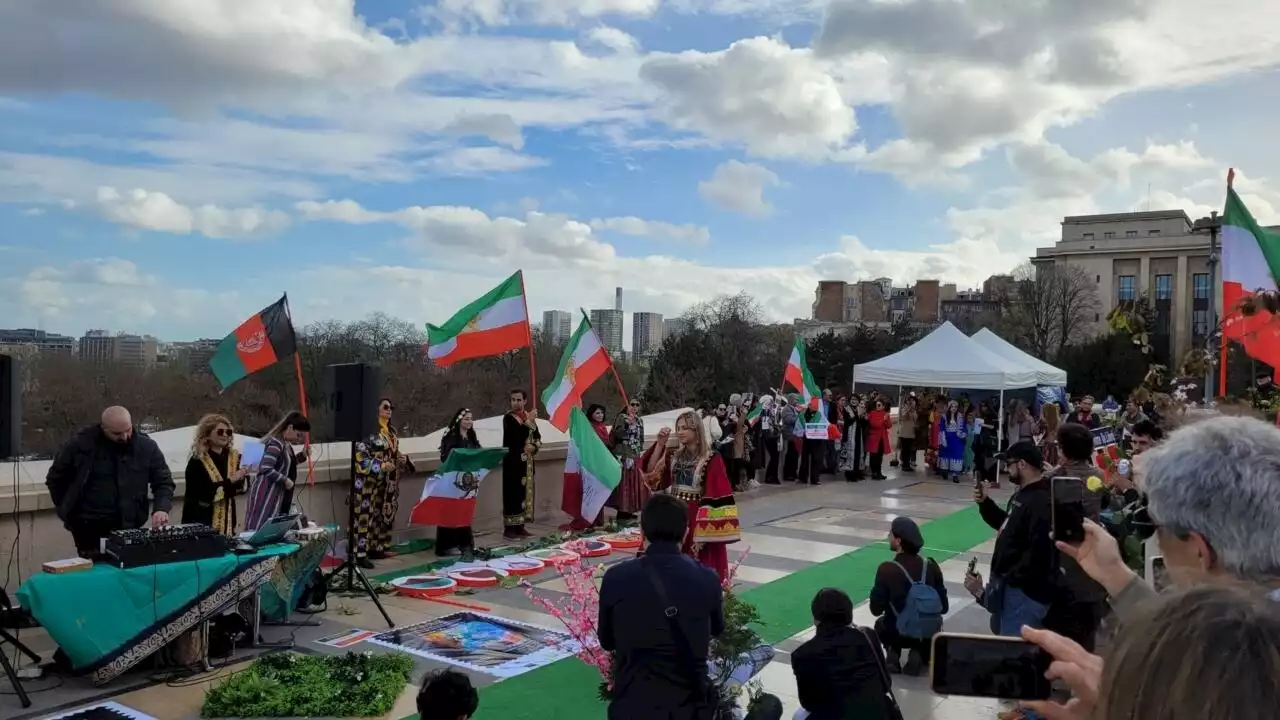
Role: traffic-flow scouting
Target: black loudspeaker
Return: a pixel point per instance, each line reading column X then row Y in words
column 353, row 391
column 10, row 406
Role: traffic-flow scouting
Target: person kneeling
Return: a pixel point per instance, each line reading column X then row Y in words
column 840, row 673
column 909, row 597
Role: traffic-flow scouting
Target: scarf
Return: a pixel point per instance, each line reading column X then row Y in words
column 223, row 521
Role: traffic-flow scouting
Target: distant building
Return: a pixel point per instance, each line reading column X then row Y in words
column 672, row 327
column 557, row 326
column 194, row 354
column 99, row 346
column 646, row 333
column 608, row 325
column 38, row 340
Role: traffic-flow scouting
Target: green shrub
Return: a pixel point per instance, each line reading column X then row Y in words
column 293, row 685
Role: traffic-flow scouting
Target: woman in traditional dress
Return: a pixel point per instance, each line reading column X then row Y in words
column 879, row 422
column 936, row 409
column 213, row 476
column 627, row 441
column 522, row 439
column 695, row 473
column 972, row 425
column 571, row 497
column 271, row 482
column 461, row 434
column 377, row 488
column 951, row 434
column 1050, row 421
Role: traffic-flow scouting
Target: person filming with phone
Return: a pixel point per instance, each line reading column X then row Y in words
column 1024, row 567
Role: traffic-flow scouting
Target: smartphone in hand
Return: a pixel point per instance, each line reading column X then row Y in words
column 973, row 567
column 1068, row 509
column 989, row 666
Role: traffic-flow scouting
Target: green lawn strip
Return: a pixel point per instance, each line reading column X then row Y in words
column 567, row 689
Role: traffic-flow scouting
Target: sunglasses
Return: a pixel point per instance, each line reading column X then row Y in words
column 635, row 404
column 388, row 406
column 222, row 432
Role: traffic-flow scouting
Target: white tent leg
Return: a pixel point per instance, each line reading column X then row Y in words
column 999, row 431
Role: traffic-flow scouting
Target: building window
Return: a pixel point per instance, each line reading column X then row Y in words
column 1088, row 236
column 1164, row 287
column 1128, row 288
column 1200, row 286
column 1200, row 323
column 1108, row 235
column 1153, row 233
column 1130, row 233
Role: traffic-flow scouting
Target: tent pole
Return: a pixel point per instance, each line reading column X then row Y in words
column 999, row 431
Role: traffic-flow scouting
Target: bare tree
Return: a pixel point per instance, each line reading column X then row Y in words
column 1049, row 308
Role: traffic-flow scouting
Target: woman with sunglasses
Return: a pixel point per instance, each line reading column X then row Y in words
column 213, row 476
column 627, row 438
column 377, row 488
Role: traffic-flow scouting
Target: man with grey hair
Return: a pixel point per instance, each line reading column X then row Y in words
column 1213, row 495
column 100, row 479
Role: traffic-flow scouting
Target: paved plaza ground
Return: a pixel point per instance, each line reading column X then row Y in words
column 799, row 538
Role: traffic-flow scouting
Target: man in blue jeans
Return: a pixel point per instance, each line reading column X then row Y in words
column 1024, row 567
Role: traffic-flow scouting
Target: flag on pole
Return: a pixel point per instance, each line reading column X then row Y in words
column 588, row 465
column 449, row 497
column 1250, row 262
column 260, row 342
column 800, row 378
column 753, row 415
column 584, row 361
column 494, row 324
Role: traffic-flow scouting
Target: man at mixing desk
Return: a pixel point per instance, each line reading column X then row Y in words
column 100, row 479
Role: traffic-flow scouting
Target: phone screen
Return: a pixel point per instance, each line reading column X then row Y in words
column 1068, row 509
column 1159, row 574
column 994, row 667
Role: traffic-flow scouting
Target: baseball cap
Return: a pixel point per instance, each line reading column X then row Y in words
column 1024, row 450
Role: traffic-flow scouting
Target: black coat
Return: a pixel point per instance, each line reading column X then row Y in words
column 142, row 471
column 838, row 675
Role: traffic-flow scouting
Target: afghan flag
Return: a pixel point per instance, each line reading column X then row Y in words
column 583, row 362
column 588, row 467
column 260, row 342
column 1250, row 262
column 496, row 323
column 800, row 378
column 449, row 497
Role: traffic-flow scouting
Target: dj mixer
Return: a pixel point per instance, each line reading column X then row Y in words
column 167, row 544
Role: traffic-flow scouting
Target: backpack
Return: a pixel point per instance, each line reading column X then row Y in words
column 921, row 615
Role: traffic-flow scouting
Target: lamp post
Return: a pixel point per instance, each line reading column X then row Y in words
column 1212, row 225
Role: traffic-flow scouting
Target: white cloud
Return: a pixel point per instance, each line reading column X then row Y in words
column 460, row 14
column 739, row 187
column 158, row 212
column 613, row 39
column 630, row 225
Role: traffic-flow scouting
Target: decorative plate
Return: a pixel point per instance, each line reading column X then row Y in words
column 622, row 541
column 424, row 586
column 519, row 565
column 554, row 556
column 478, row 577
column 593, row 548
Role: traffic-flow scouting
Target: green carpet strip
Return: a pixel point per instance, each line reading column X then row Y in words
column 566, row 690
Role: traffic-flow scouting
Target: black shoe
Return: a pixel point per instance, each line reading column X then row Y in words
column 365, row 563
column 915, row 663
column 893, row 661
column 468, row 555
column 447, row 552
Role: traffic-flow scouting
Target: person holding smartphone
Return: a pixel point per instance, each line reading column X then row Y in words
column 1024, row 567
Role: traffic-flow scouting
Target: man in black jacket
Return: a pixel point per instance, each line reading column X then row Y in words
column 893, row 583
column 1024, row 567
column 658, row 676
column 100, row 479
column 838, row 672
column 1079, row 610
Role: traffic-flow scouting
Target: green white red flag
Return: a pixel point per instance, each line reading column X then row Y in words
column 800, row 378
column 449, row 496
column 1250, row 262
column 496, row 323
column 583, row 362
column 588, row 465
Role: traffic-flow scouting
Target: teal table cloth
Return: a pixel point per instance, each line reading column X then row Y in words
column 109, row 617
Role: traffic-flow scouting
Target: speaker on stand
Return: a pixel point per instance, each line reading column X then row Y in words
column 10, row 406
column 352, row 391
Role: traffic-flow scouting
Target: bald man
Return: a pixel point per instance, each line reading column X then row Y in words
column 101, row 479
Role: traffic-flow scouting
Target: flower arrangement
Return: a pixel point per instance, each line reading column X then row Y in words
column 736, row 655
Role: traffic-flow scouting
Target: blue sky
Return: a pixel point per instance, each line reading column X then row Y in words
column 170, row 167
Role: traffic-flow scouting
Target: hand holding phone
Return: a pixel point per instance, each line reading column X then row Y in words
column 989, row 666
column 973, row 566
column 1068, row 509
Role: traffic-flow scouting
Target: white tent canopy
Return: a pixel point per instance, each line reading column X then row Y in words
column 1046, row 374
column 946, row 358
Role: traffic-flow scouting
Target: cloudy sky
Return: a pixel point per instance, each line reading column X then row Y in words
column 171, row 166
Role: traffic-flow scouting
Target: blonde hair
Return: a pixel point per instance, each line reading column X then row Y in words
column 204, row 430
column 691, row 419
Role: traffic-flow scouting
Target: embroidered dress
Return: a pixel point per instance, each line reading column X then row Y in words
column 713, row 515
column 377, row 490
column 210, row 496
column 951, row 434
column 522, row 443
column 631, row 493
column 267, row 489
